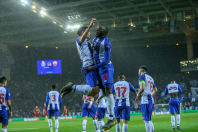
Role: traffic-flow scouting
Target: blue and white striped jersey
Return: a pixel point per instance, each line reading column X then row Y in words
column 102, row 52
column 173, row 88
column 85, row 52
column 53, row 100
column 149, row 86
column 4, row 96
column 102, row 103
column 122, row 90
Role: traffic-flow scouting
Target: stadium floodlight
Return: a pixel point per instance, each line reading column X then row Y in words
column 54, row 22
column 43, row 12
column 61, row 26
column 24, row 2
column 34, row 8
column 65, row 32
column 72, row 27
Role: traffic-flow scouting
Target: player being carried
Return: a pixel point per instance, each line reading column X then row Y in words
column 88, row 109
column 5, row 104
column 122, row 90
column 85, row 52
column 147, row 91
column 53, row 105
column 174, row 104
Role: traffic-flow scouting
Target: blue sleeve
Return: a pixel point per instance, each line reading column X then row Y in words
column 113, row 90
column 142, row 77
column 179, row 88
column 47, row 101
column 107, row 55
column 60, row 101
column 166, row 90
column 8, row 97
column 154, row 86
column 132, row 89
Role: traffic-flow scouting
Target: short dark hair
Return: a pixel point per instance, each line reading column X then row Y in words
column 144, row 68
column 53, row 86
column 3, row 79
column 102, row 31
column 121, row 76
column 81, row 29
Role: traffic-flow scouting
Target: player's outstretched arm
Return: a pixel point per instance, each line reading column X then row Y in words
column 84, row 35
column 98, row 100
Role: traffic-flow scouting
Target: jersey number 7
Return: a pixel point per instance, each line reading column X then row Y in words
column 123, row 92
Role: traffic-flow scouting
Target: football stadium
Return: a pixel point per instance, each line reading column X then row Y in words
column 99, row 65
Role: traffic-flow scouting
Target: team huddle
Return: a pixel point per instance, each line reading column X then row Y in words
column 112, row 98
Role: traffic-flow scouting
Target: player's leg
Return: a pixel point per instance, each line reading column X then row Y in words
column 91, row 86
column 92, row 113
column 145, row 115
column 107, row 80
column 118, row 112
column 4, row 128
column 178, row 118
column 118, row 126
column 56, row 114
column 126, row 118
column 50, row 113
column 84, row 115
column 100, row 115
column 172, row 111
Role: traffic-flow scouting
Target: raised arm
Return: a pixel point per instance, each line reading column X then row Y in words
column 84, row 35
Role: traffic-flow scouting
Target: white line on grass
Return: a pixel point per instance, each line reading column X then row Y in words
column 20, row 129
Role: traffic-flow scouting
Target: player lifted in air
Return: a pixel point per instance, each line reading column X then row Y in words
column 53, row 105
column 174, row 104
column 85, row 52
column 5, row 104
column 88, row 109
column 147, row 91
column 102, row 58
column 122, row 90
column 101, row 110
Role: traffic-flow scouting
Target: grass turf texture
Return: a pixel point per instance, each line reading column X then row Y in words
column 189, row 123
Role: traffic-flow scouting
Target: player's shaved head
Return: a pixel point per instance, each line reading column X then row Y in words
column 101, row 32
column 81, row 30
column 121, row 76
column 53, row 87
column 3, row 80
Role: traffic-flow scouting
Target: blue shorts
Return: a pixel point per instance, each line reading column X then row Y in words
column 147, row 110
column 122, row 112
column 4, row 117
column 100, row 113
column 106, row 75
column 174, row 106
column 53, row 113
column 91, row 78
column 88, row 112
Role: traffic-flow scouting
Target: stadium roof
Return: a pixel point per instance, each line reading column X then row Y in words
column 54, row 22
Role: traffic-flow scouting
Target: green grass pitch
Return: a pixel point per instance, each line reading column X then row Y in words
column 189, row 123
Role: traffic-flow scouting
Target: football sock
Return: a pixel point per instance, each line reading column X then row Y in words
column 4, row 130
column 82, row 88
column 152, row 126
column 100, row 125
column 95, row 124
column 50, row 124
column 110, row 105
column 147, row 126
column 56, row 125
column 178, row 119
column 84, row 125
column 118, row 127
column 124, row 127
column 173, row 121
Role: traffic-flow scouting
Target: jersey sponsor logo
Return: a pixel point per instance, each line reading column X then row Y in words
column 172, row 88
